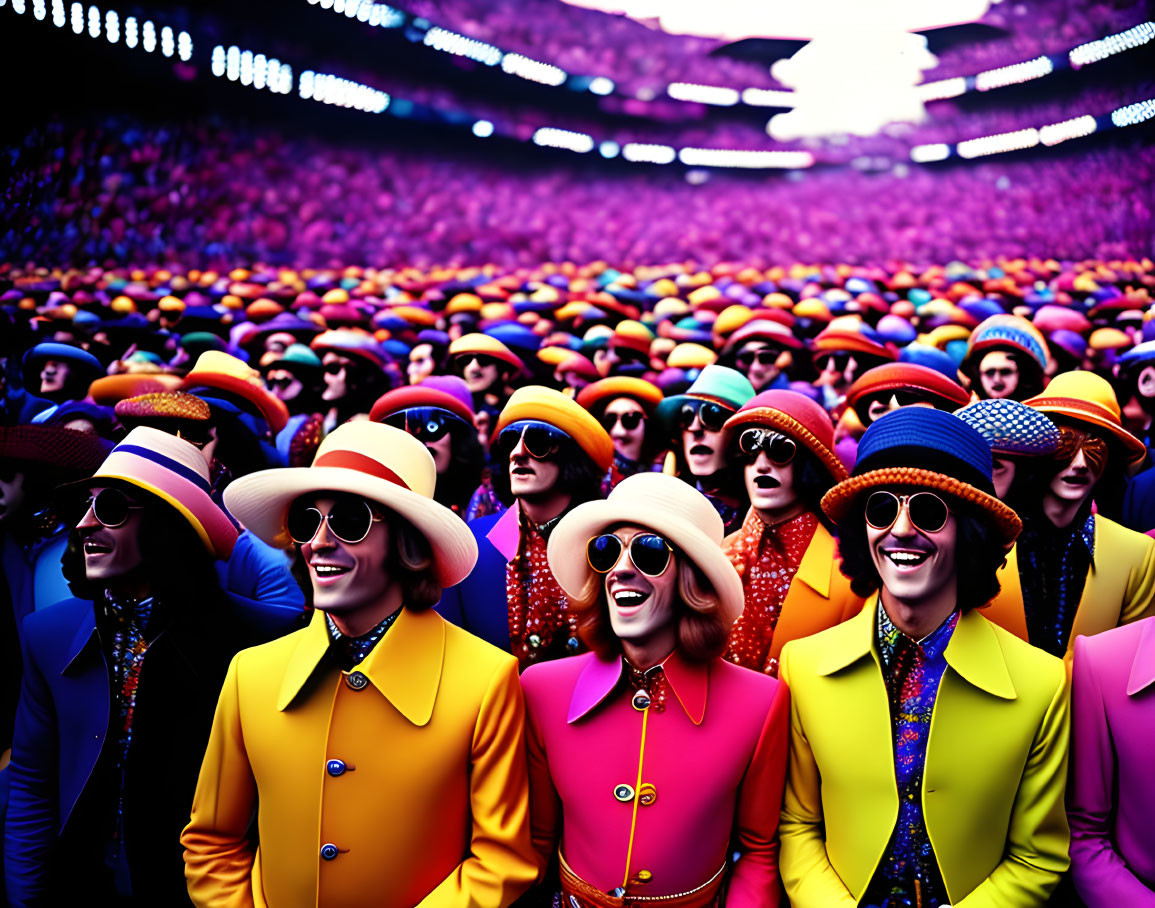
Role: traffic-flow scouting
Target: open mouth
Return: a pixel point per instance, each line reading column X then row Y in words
column 522, row 471
column 1076, row 480
column 329, row 571
column 701, row 451
column 766, row 481
column 906, row 558
column 92, row 547
column 629, row 601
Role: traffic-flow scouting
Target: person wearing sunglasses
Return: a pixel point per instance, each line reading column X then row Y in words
column 784, row 551
column 764, row 351
column 1074, row 570
column 842, row 352
column 488, row 366
column 1006, row 356
column 121, row 680
column 654, row 820
column 438, row 412
column 380, row 749
column 625, row 407
column 694, row 421
column 552, row 455
column 355, row 374
column 928, row 745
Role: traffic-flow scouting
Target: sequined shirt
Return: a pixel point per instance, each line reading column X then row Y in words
column 908, row 873
column 1053, row 565
column 351, row 651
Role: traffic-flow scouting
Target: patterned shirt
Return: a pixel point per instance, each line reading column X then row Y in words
column 908, row 873
column 351, row 651
column 1053, row 565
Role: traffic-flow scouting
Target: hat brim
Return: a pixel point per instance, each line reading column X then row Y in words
column 787, row 425
column 1133, row 446
column 839, row 500
column 567, row 549
column 260, row 501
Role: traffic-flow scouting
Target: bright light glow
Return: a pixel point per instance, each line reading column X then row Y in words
column 943, row 88
column 218, row 61
column 549, row 137
column 1134, row 113
column 167, row 42
column 609, row 149
column 641, row 153
column 924, row 154
column 39, row 10
column 765, row 97
column 184, row 46
column 1095, row 51
column 852, row 82
column 1068, row 129
column 533, row 70
column 148, row 36
column 306, row 83
column 600, row 85
column 1014, row 74
column 77, row 18
column 724, row 157
column 18, row 7
column 247, row 68
column 130, row 32
column 452, row 43
column 997, row 144
column 58, row 18
column 483, row 129
column 330, row 89
column 703, row 94
column 93, row 22
column 260, row 71
column 111, row 27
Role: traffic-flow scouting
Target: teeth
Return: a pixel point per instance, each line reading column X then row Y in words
column 629, row 597
column 328, row 569
column 907, row 557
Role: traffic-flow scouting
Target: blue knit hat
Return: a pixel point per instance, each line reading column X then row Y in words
column 929, row 449
column 1011, row 427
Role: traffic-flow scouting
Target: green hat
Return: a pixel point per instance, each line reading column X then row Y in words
column 719, row 384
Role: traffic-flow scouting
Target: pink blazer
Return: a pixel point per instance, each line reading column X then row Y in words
column 1111, row 803
column 655, row 813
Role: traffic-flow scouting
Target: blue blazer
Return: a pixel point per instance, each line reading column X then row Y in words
column 478, row 604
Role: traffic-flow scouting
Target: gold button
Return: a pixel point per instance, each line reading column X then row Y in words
column 647, row 794
column 643, row 876
column 357, row 680
column 641, row 701
column 624, row 792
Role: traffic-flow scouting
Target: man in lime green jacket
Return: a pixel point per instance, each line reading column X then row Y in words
column 928, row 746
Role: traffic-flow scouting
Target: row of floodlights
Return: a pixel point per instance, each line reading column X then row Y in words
column 646, row 153
column 1054, row 134
column 108, row 24
column 259, row 71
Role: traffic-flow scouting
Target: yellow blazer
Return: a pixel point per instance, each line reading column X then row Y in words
column 996, row 767
column 1120, row 586
column 416, row 775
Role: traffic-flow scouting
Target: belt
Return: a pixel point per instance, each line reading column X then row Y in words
column 577, row 893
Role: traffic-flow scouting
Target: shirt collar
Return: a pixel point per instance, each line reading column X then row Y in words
column 689, row 682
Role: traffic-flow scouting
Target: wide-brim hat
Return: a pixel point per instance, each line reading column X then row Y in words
column 718, row 384
column 890, row 378
column 597, row 396
column 795, row 415
column 930, row 449
column 53, row 449
column 224, row 372
column 1011, row 427
column 663, row 504
column 552, row 407
column 484, row 345
column 377, row 462
column 174, row 471
column 1088, row 398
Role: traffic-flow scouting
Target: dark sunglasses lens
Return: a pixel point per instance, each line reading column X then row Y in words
column 603, row 552
column 882, row 510
column 350, row 520
column 507, row 441
column 713, row 416
column 750, row 442
column 396, row 420
column 335, row 368
column 631, row 421
column 650, row 554
column 302, row 522
column 686, row 415
column 782, row 450
column 928, row 512
column 111, row 507
column 539, row 441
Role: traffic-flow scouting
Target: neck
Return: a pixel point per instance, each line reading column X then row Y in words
column 130, row 588
column 545, row 506
column 647, row 652
column 1060, row 511
column 918, row 618
column 780, row 515
column 363, row 620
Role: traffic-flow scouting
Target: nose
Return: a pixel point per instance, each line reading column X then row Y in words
column 88, row 521
column 519, row 451
column 322, row 539
column 696, row 426
column 1079, row 461
column 902, row 526
column 763, row 461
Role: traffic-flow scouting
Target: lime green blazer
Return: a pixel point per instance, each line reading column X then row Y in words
column 996, row 767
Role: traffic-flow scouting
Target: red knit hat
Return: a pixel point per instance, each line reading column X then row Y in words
column 891, row 378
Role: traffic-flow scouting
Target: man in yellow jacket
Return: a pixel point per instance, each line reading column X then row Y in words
column 381, row 749
column 928, row 746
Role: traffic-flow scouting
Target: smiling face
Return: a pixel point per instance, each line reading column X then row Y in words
column 112, row 555
column 283, row 384
column 641, row 607
column 336, row 372
column 705, row 454
column 998, row 375
column 915, row 565
column 53, row 376
column 347, row 577
column 627, row 441
column 770, row 487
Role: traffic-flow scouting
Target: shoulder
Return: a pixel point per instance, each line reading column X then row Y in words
column 1112, row 535
column 1113, row 648
column 742, row 681
column 555, row 676
column 806, row 650
column 49, row 624
column 467, row 652
column 1030, row 668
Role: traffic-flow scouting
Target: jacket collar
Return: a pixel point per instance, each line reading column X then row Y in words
column 689, row 682
column 973, row 652
column 815, row 567
column 83, row 640
column 505, row 534
column 1143, row 667
column 405, row 666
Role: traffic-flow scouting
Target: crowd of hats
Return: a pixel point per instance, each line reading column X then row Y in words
column 209, row 195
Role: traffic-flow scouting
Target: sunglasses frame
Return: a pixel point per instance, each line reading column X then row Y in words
column 904, row 501
column 523, row 426
column 448, row 421
column 610, row 420
column 694, row 408
column 629, row 548
column 93, row 504
column 767, row 439
column 327, row 519
column 763, row 357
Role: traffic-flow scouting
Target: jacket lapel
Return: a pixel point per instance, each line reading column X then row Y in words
column 1143, row 667
column 406, row 665
column 817, row 562
column 975, row 654
column 312, row 644
column 851, row 640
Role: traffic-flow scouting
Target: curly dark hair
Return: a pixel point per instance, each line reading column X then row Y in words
column 978, row 550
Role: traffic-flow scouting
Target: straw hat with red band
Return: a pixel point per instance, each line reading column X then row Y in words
column 378, row 462
column 1088, row 398
column 175, row 472
column 484, row 345
column 928, row 384
column 597, row 396
column 550, row 406
column 791, row 414
column 225, row 372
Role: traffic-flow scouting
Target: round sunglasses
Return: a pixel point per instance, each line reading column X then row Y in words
column 541, row 440
column 747, row 358
column 926, row 510
column 425, row 423
column 650, row 553
column 462, row 360
column 778, row 447
column 712, row 416
column 350, row 519
column 630, row 421
column 111, row 507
